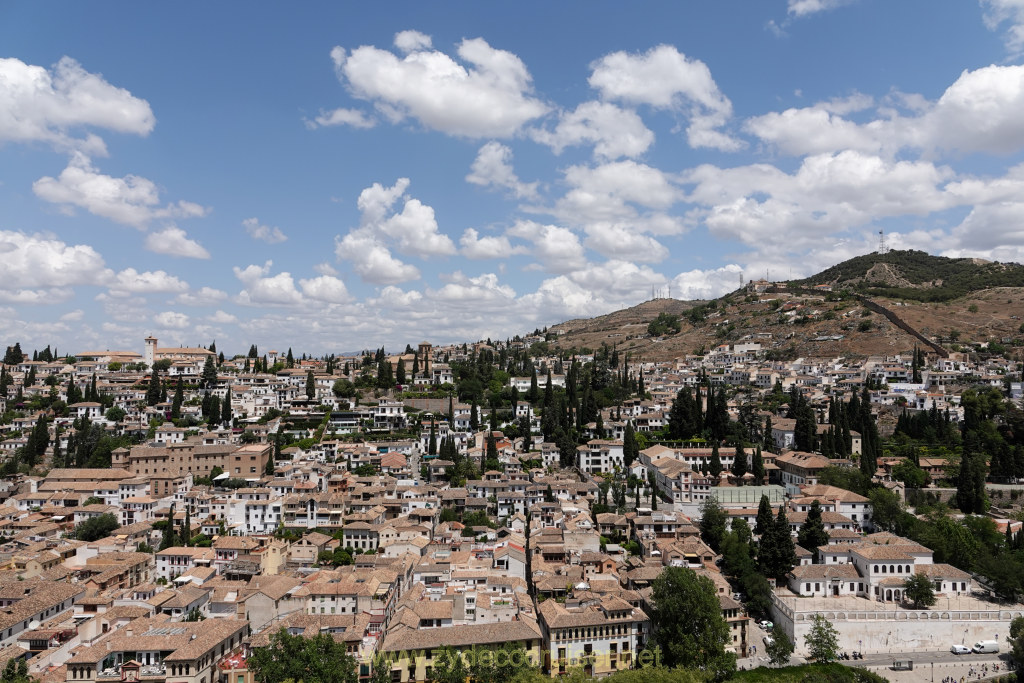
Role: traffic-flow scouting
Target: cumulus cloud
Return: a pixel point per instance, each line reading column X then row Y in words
column 410, row 41
column 665, row 78
column 38, row 261
column 263, row 233
column 557, row 249
column 175, row 242
column 706, row 284
column 130, row 281
column 222, row 318
column 476, row 247
column 493, row 168
column 262, row 288
column 614, row 132
column 413, row 230
column 204, row 296
column 325, row 288
column 803, row 8
column 490, row 97
column 40, row 105
column 829, row 193
column 341, row 117
column 36, row 297
column 977, row 113
column 1008, row 13
column 132, row 200
column 171, row 320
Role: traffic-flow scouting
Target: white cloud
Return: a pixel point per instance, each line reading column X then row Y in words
column 222, row 318
column 37, row 261
column 493, row 168
column 204, row 296
column 489, row 98
column 372, row 260
column 73, row 316
column 475, row 291
column 36, row 297
column 410, row 41
column 760, row 205
column 1009, row 12
column 803, row 8
column 557, row 249
column 979, row 112
column 171, row 320
column 325, row 269
column 130, row 281
column 131, row 200
column 342, row 117
column 665, row 78
column 325, row 288
column 476, row 247
column 175, row 242
column 47, row 106
column 413, row 231
column 614, row 132
column 706, row 284
column 262, row 288
column 263, row 233
column 619, row 241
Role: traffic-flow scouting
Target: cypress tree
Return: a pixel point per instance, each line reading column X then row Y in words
column 432, row 443
column 715, row 468
column 739, row 461
column 179, row 397
column 758, row 468
column 225, row 409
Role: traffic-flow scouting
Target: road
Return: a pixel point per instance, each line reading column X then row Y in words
column 928, row 666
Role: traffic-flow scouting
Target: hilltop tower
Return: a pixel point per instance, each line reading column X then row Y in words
column 150, row 355
column 424, row 354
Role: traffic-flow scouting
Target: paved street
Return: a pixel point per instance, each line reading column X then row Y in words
column 928, row 666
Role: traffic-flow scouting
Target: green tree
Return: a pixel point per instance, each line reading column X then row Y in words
column 1017, row 639
column 319, row 659
column 919, row 590
column 822, row 641
column 713, row 520
column 209, row 376
column 449, row 667
column 310, row 385
column 780, row 648
column 757, row 468
column 739, row 461
column 95, row 528
column 15, row 671
column 691, row 630
column 179, row 398
column 912, row 476
column 812, row 532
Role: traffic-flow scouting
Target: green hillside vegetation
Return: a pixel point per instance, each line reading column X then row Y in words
column 933, row 278
column 808, row 673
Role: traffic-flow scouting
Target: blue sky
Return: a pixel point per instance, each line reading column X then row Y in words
column 334, row 176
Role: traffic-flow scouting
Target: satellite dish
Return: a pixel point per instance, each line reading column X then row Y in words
column 33, row 625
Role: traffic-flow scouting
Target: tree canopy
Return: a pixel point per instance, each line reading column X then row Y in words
column 319, row 659
column 691, row 630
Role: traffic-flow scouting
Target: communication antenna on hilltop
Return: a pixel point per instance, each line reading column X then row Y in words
column 883, row 248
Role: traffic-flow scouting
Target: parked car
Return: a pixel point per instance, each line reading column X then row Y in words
column 985, row 647
column 960, row 650
column 768, row 641
column 766, row 625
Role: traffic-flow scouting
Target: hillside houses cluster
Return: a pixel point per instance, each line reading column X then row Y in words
column 358, row 530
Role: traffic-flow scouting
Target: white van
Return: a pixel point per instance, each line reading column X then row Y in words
column 985, row 647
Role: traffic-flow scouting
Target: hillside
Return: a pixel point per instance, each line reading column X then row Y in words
column 917, row 275
column 953, row 302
